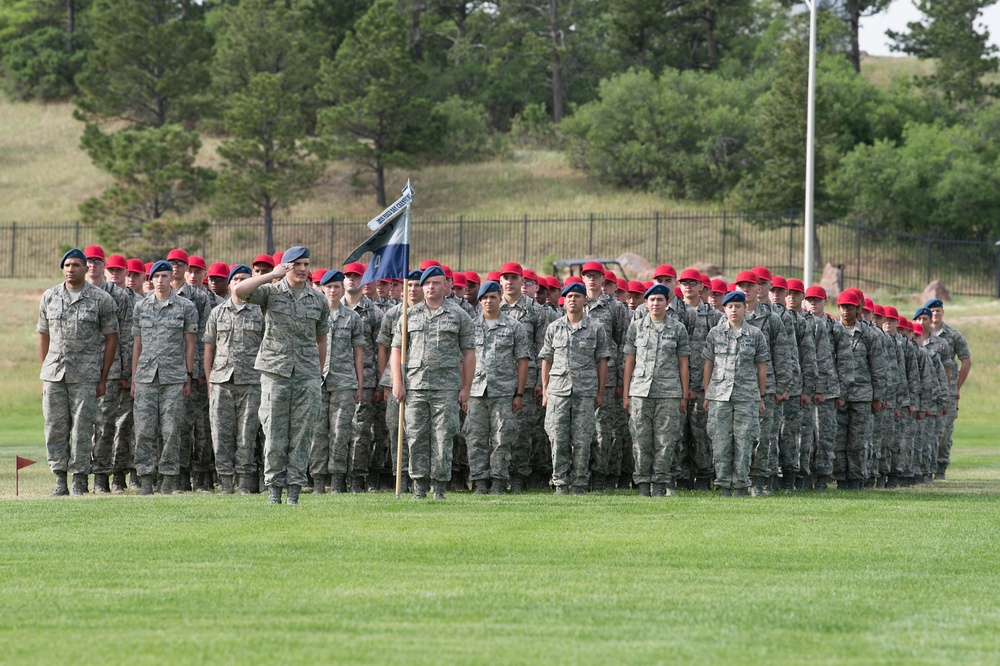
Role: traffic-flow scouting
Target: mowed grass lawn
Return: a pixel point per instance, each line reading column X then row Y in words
column 905, row 576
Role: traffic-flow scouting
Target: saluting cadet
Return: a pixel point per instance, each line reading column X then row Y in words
column 363, row 425
column 164, row 329
column 291, row 361
column 535, row 320
column 108, row 404
column 575, row 360
column 233, row 337
column 735, row 385
column 696, row 452
column 77, row 346
column 958, row 348
column 343, row 385
column 440, row 364
column 863, row 399
column 656, row 389
column 497, row 393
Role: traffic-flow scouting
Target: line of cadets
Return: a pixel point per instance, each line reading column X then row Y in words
column 592, row 384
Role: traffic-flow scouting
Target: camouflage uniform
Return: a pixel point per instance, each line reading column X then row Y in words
column 890, row 434
column 196, row 443
column 613, row 315
column 291, row 376
column 489, row 425
column 363, row 444
column 734, row 399
column 108, row 406
column 655, row 393
column 957, row 347
column 76, row 325
column 696, row 453
column 574, row 353
column 792, row 413
column 384, row 339
column 121, row 449
column 236, row 330
column 780, row 379
column 435, row 346
column 160, row 374
column 534, row 320
column 865, row 384
column 834, row 364
column 902, row 450
column 935, row 431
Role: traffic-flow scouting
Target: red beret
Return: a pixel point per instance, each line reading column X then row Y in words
column 610, row 276
column 848, row 298
column 427, row 263
column 355, row 268
column 622, row 284
column 573, row 279
column 719, row 286
column 530, row 275
column 636, row 287
column 493, row 276
column 869, row 305
column 473, row 277
column 762, row 273
column 879, row 310
column 460, row 279
column 891, row 313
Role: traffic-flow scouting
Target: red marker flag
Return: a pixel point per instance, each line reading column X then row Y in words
column 19, row 464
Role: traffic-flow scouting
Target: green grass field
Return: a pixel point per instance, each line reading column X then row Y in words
column 881, row 577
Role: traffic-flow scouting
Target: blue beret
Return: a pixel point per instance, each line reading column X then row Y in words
column 488, row 287
column 574, row 288
column 72, row 254
column 331, row 276
column 293, row 253
column 237, row 269
column 922, row 311
column 430, row 272
column 934, row 303
column 737, row 296
column 158, row 266
column 413, row 276
column 657, row 290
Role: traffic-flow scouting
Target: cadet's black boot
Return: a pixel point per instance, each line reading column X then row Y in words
column 184, row 483
column 480, row 487
column 438, row 487
column 226, row 484
column 358, row 484
column 645, row 489
column 420, row 488
column 338, row 484
column 579, row 490
column 61, row 489
column 657, row 490
column 940, row 472
column 757, row 486
column 293, row 494
column 498, row 487
column 740, row 492
column 101, row 486
column 624, row 481
column 274, row 495
column 201, row 482
column 788, row 483
column 611, row 482
column 169, row 486
column 319, row 484
column 701, row 483
column 79, row 484
column 596, row 484
column 822, row 483
column 773, row 484
column 562, row 490
column 146, row 485
column 726, row 492
column 516, row 484
column 118, row 483
column 892, row 482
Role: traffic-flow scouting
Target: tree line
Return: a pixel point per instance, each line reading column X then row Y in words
column 699, row 100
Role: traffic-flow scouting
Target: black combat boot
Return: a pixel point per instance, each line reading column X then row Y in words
column 293, row 494
column 438, row 487
column 274, row 495
column 101, row 486
column 579, row 490
column 420, row 487
column 243, row 484
column 480, row 487
column 658, row 490
column 788, row 483
column 562, row 490
column 226, row 484
column 118, row 483
column 822, row 484
column 757, row 486
column 596, row 484
column 498, row 487
column 201, row 482
column 645, row 489
column 726, row 492
column 358, row 484
column 79, row 484
column 146, row 485
column 319, row 484
column 516, row 484
column 184, row 482
column 61, row 488
column 338, row 484
column 702, row 483
column 169, row 486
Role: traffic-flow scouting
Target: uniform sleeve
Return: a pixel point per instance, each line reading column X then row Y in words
column 541, row 326
column 902, row 385
column 878, row 366
column 546, row 352
column 358, row 332
column 782, row 358
column 384, row 337
column 708, row 351
column 261, row 295
column 763, row 354
column 807, row 357
column 630, row 336
column 323, row 327
column 43, row 322
column 466, row 332
column 136, row 318
column 826, row 373
column 960, row 346
column 124, row 312
column 603, row 349
column 522, row 348
column 191, row 319
column 108, row 314
column 683, row 343
column 210, row 328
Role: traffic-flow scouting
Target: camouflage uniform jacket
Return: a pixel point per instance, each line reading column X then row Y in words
column 371, row 316
column 910, row 352
column 162, row 327
column 435, row 346
column 891, row 376
column 236, row 330
column 805, row 343
column 677, row 308
column 574, row 352
column 867, row 381
column 291, row 326
column 788, row 321
column 901, row 390
column 780, row 357
column 708, row 318
column 498, row 349
column 614, row 316
column 834, row 360
column 735, row 353
column 462, row 303
column 535, row 321
column 958, row 347
column 124, row 302
column 656, row 350
column 203, row 307
column 347, row 331
column 76, row 331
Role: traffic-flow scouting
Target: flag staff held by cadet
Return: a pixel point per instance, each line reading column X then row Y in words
column 390, row 248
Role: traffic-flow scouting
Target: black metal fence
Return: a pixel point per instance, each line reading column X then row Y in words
column 869, row 258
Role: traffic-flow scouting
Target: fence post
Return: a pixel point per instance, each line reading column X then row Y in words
column 656, row 244
column 524, row 249
column 930, row 257
column 13, row 246
column 724, row 233
column 791, row 242
column 590, row 245
column 76, row 243
column 460, row 241
column 997, row 245
column 857, row 274
column 331, row 264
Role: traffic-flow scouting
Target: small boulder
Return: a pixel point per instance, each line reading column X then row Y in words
column 711, row 270
column 935, row 289
column 831, row 281
column 636, row 266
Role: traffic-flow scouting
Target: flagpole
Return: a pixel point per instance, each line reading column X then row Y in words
column 402, row 362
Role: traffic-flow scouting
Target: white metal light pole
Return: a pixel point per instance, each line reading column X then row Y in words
column 810, row 222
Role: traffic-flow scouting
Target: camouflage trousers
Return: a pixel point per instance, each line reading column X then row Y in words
column 489, row 428
column 826, row 436
column 525, row 424
column 696, row 447
column 331, row 441
column 854, row 438
column 381, row 458
column 657, row 434
column 947, row 433
column 159, row 417
column 734, row 427
column 570, row 422
column 901, row 448
column 70, row 411
column 359, row 454
column 790, row 435
column 621, row 444
column 760, row 463
column 104, row 429
column 123, row 451
column 929, row 438
column 604, row 435
column 392, row 425
column 774, row 438
column 431, row 423
column 288, row 415
column 807, row 442
column 196, row 443
column 541, row 451
column 234, row 412
column 883, row 437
